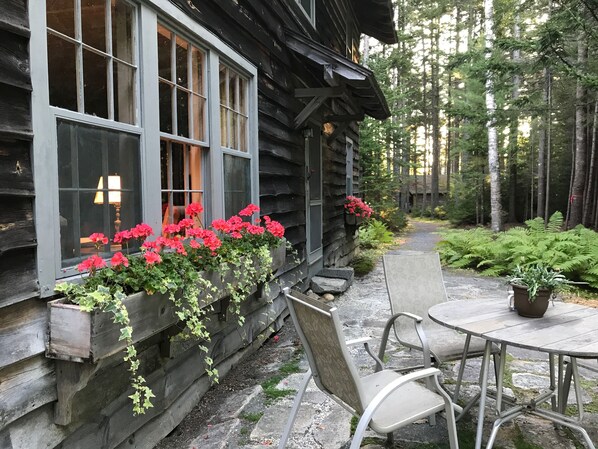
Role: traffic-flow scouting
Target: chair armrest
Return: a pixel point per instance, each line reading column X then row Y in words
column 417, row 320
column 358, row 341
column 365, row 341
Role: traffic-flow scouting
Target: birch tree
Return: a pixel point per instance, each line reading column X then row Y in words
column 493, row 165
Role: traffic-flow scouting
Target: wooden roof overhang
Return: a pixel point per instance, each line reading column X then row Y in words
column 341, row 78
column 376, row 19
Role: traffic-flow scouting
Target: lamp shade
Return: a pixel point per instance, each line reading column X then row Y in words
column 113, row 190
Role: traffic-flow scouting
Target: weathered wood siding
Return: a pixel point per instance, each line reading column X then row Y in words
column 101, row 410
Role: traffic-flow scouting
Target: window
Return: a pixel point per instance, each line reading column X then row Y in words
column 233, row 139
column 181, row 77
column 98, row 186
column 309, row 8
column 116, row 145
column 91, row 63
column 92, row 86
column 349, row 166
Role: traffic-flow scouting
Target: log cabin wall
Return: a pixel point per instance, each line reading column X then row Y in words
column 101, row 410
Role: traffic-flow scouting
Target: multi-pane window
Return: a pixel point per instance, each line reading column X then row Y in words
column 91, row 57
column 114, row 145
column 181, row 68
column 182, row 97
column 233, row 109
column 92, row 71
column 233, row 138
column 98, row 175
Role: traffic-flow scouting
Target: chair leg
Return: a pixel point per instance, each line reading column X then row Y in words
column 294, row 410
column 390, row 439
column 362, row 425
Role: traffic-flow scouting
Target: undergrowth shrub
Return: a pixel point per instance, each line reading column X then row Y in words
column 363, row 263
column 574, row 253
column 373, row 234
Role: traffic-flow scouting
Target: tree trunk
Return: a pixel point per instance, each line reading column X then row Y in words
column 493, row 164
column 548, row 149
column 435, row 41
column 579, row 174
column 514, row 131
column 588, row 202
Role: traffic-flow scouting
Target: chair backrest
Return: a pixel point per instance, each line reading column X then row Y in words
column 319, row 329
column 414, row 282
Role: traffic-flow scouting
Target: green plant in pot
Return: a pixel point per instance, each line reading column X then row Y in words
column 533, row 286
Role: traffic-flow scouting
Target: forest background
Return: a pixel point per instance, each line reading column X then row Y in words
column 494, row 112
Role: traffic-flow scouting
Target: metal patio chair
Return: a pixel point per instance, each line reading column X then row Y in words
column 384, row 400
column 414, row 283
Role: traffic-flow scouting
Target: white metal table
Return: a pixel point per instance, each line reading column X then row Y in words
column 566, row 330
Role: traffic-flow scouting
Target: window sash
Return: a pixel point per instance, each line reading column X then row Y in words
column 112, row 62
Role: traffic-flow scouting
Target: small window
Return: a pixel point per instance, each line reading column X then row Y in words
column 182, row 178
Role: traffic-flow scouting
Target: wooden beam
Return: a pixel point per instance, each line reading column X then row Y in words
column 336, row 91
column 344, row 118
column 309, row 108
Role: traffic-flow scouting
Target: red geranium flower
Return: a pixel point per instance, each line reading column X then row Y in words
column 142, row 231
column 194, row 209
column 97, row 238
column 122, row 236
column 91, row 264
column 119, row 259
column 249, row 210
column 152, row 258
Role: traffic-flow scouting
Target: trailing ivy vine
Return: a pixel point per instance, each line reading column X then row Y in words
column 173, row 265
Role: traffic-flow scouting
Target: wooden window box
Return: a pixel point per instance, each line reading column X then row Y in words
column 79, row 340
column 79, row 336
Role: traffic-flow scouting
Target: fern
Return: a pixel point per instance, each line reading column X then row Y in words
column 574, row 253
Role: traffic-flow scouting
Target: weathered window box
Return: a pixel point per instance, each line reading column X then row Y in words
column 79, row 336
column 76, row 337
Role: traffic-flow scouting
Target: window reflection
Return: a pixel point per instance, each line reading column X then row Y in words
column 89, row 157
column 80, row 63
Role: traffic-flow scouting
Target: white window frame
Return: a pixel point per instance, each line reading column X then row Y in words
column 45, row 160
column 311, row 15
column 349, row 166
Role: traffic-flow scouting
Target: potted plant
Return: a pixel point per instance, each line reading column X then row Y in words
column 533, row 287
column 356, row 210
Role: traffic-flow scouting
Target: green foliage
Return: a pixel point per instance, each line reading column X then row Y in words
column 252, row 416
column 373, row 234
column 394, row 218
column 573, row 253
column 363, row 263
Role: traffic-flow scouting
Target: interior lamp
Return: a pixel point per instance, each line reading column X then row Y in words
column 114, row 196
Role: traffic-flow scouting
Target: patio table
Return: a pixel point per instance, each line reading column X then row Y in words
column 566, row 330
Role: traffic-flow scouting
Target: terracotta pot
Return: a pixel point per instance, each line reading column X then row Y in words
column 531, row 309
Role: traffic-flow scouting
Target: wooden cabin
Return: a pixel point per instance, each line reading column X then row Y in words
column 222, row 101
